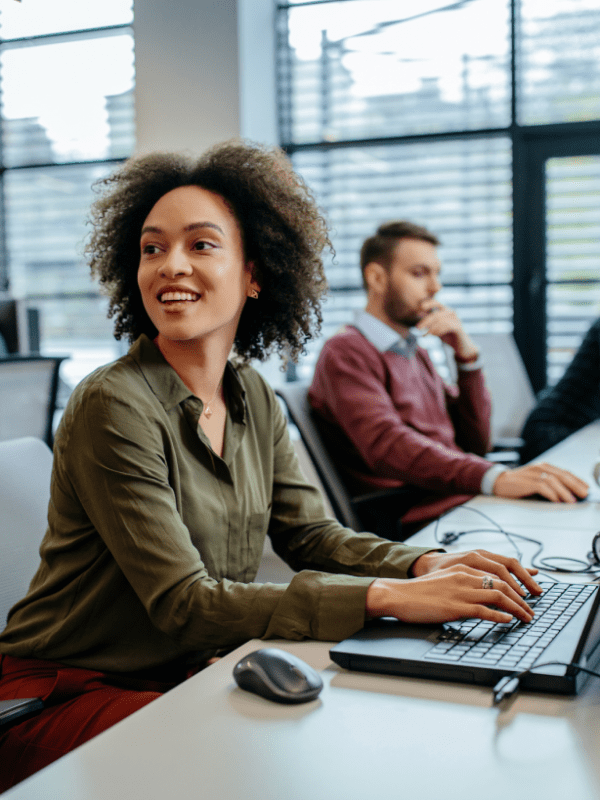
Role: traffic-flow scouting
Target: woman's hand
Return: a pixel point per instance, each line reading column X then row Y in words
column 449, row 586
column 448, row 594
column 484, row 561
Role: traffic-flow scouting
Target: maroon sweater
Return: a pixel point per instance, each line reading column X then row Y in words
column 389, row 420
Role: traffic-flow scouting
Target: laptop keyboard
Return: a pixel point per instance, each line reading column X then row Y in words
column 513, row 645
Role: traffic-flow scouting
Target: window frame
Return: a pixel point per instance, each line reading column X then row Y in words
column 531, row 146
column 32, row 296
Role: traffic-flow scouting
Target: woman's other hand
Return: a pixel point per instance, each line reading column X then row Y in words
column 448, row 594
column 450, row 586
column 490, row 563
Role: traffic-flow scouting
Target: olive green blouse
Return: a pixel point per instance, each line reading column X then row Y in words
column 153, row 540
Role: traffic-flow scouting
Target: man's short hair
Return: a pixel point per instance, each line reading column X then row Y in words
column 381, row 246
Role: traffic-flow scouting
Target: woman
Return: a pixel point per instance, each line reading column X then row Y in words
column 173, row 463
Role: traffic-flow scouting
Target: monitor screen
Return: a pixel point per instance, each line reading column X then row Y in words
column 19, row 327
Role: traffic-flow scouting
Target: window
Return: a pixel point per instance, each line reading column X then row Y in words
column 477, row 118
column 67, row 118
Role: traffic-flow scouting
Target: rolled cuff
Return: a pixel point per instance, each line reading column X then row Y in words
column 489, row 479
column 469, row 366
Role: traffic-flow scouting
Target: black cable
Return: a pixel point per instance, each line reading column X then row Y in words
column 509, row 685
column 541, row 564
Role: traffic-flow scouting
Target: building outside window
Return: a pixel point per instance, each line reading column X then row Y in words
column 67, row 119
column 476, row 118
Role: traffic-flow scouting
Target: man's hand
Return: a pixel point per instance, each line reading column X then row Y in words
column 445, row 323
column 551, row 482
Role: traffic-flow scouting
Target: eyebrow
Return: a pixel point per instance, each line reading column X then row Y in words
column 194, row 226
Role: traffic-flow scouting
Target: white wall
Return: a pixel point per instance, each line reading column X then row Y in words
column 204, row 73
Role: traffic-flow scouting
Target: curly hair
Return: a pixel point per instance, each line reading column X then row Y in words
column 283, row 233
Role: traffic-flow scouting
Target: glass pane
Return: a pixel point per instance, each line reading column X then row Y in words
column 68, row 100
column 46, row 209
column 374, row 68
column 77, row 327
column 38, row 17
column 571, row 310
column 572, row 255
column 461, row 190
column 558, row 61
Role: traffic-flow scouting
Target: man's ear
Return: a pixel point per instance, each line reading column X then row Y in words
column 376, row 277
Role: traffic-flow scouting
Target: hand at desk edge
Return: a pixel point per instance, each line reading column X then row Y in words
column 555, row 484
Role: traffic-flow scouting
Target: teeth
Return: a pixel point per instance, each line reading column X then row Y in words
column 171, row 296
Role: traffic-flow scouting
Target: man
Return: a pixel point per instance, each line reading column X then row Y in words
column 386, row 415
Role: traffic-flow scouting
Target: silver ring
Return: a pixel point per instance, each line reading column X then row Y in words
column 487, row 582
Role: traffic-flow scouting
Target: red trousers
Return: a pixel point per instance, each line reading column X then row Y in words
column 79, row 703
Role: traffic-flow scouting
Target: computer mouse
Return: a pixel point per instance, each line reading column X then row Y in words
column 276, row 675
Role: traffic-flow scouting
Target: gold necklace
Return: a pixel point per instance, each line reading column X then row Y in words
column 207, row 410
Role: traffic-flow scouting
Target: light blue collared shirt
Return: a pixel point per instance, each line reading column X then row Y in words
column 385, row 338
column 382, row 336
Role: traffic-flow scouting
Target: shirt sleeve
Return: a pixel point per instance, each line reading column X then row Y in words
column 489, row 479
column 358, row 402
column 471, row 412
column 572, row 403
column 121, row 474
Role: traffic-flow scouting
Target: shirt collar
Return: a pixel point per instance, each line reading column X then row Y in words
column 168, row 386
column 382, row 336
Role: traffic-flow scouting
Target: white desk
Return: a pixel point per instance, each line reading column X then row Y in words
column 365, row 736
column 565, row 529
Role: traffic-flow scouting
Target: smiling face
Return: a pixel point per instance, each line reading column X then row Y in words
column 411, row 280
column 193, row 277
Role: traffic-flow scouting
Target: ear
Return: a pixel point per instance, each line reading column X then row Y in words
column 376, row 277
column 254, row 285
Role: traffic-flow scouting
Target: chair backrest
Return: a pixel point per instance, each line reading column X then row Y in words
column 507, row 379
column 295, row 398
column 25, row 468
column 28, row 388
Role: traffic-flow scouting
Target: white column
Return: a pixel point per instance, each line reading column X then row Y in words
column 204, row 73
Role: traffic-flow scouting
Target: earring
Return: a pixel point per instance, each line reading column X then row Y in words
column 254, row 294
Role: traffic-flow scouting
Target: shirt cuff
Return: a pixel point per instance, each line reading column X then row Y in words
column 471, row 366
column 489, row 479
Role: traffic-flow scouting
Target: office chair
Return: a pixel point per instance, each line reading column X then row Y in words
column 25, row 467
column 508, row 382
column 512, row 394
column 28, row 390
column 378, row 511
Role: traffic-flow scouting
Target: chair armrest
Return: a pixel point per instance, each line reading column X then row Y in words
column 362, row 500
column 12, row 711
column 380, row 511
column 504, row 457
column 508, row 443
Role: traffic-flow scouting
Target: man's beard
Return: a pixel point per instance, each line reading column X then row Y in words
column 397, row 310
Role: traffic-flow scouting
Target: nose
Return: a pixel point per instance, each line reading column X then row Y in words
column 175, row 264
column 435, row 284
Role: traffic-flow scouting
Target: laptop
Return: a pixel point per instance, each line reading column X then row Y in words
column 565, row 629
